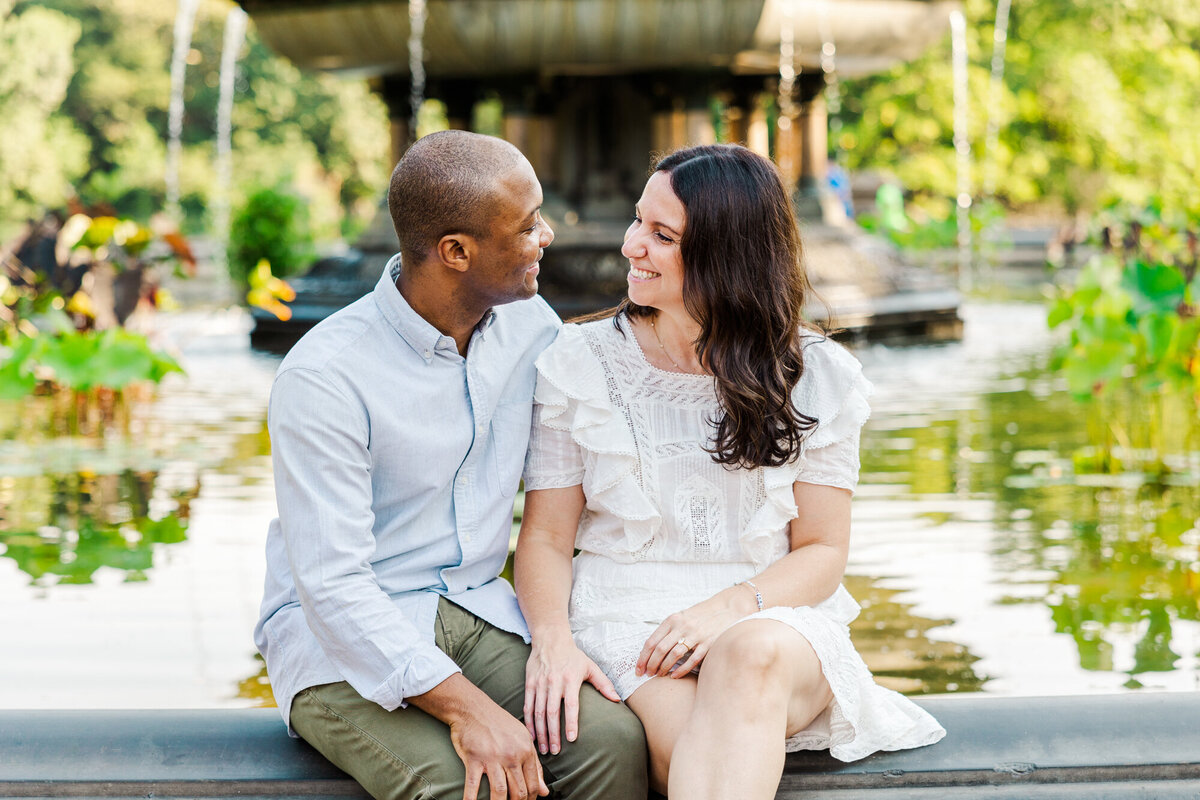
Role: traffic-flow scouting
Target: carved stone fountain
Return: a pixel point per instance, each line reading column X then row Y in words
column 591, row 89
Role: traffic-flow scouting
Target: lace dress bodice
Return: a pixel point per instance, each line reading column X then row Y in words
column 635, row 436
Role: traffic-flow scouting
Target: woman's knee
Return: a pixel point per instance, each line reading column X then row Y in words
column 750, row 652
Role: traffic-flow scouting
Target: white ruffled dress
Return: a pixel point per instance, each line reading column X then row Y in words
column 665, row 527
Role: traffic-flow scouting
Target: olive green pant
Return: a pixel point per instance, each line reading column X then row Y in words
column 406, row 754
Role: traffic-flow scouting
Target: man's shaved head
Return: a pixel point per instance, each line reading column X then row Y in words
column 446, row 183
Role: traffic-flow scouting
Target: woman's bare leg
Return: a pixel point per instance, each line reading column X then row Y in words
column 760, row 682
column 664, row 706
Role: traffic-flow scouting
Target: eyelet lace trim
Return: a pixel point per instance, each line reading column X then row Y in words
column 590, row 382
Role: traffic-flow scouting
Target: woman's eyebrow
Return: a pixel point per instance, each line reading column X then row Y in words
column 637, row 210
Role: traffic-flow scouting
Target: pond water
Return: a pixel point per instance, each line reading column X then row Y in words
column 131, row 551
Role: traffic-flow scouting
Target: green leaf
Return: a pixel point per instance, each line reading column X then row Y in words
column 168, row 530
column 163, row 365
column 1088, row 369
column 121, row 358
column 1154, row 287
column 70, row 357
column 16, row 379
column 99, row 232
column 1060, row 312
column 1158, row 330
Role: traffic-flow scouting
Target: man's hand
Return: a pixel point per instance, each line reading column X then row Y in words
column 553, row 676
column 488, row 739
column 493, row 742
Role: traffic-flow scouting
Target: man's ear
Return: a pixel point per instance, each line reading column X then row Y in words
column 455, row 250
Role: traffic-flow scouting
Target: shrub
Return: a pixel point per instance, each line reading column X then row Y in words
column 272, row 225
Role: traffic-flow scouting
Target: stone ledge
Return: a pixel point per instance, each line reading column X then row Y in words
column 1096, row 747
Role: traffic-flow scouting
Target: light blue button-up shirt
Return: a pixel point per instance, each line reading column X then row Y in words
column 396, row 463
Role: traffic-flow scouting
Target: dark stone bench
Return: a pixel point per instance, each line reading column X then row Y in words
column 1109, row 747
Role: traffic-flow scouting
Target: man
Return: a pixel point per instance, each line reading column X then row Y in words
column 399, row 427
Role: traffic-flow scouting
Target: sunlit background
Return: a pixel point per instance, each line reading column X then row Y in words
column 1028, row 519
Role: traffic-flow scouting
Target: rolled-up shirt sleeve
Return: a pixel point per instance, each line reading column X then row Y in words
column 319, row 440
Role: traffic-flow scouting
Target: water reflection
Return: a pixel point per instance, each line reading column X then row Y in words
column 983, row 559
column 63, row 528
column 257, row 688
column 897, row 645
column 1112, row 559
column 131, row 533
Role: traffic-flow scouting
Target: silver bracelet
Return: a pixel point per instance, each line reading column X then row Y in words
column 757, row 594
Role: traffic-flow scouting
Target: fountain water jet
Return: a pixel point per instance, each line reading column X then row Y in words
column 235, row 33
column 962, row 145
column 839, row 207
column 787, row 85
column 833, row 92
column 416, row 62
column 992, row 139
column 185, row 18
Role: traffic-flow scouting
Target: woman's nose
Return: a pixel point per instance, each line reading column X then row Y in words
column 630, row 248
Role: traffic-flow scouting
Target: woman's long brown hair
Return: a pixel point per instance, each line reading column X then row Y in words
column 744, row 282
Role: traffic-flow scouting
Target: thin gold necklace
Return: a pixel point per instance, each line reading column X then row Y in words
column 663, row 347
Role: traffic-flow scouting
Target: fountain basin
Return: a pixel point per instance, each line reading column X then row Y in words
column 1094, row 747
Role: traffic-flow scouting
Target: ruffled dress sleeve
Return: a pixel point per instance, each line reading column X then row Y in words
column 554, row 459
column 581, row 434
column 834, row 391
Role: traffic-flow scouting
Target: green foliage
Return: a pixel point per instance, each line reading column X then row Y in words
column 41, row 151
column 54, row 332
column 82, row 360
column 1134, row 331
column 90, row 110
column 270, row 226
column 933, row 225
column 1100, row 101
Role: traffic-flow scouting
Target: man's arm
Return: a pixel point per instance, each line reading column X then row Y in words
column 322, row 466
column 323, row 484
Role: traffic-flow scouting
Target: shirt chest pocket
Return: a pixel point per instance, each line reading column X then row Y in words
column 510, row 439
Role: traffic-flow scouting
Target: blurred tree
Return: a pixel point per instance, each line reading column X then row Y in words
column 1101, row 101
column 324, row 136
column 41, row 151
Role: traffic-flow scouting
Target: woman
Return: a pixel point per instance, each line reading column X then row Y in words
column 699, row 450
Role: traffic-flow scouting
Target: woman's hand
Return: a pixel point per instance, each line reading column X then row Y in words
column 689, row 634
column 553, row 676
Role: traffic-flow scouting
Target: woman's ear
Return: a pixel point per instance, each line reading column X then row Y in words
column 454, row 250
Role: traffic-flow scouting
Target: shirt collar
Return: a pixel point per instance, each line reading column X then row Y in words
column 414, row 329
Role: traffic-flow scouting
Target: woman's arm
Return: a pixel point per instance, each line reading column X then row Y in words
column 820, row 542
column 808, row 574
column 542, row 568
